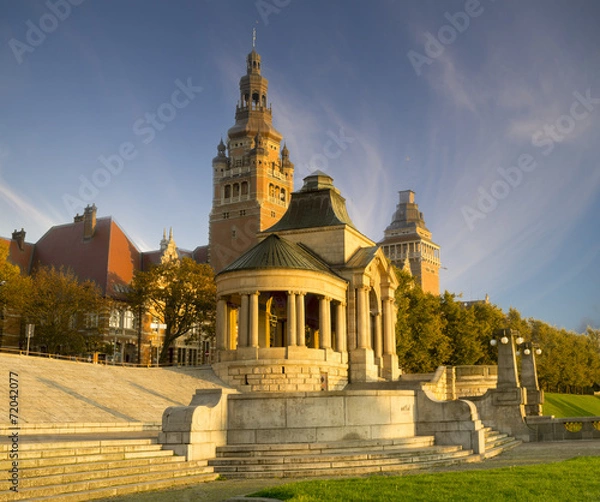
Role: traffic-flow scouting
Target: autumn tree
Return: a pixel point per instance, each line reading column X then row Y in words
column 59, row 306
column 13, row 286
column 181, row 293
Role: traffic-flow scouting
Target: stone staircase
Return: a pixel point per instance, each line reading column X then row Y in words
column 348, row 458
column 496, row 443
column 344, row 458
column 74, row 470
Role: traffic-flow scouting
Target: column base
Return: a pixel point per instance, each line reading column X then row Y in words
column 391, row 371
column 363, row 367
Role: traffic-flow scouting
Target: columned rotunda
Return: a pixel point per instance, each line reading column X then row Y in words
column 311, row 306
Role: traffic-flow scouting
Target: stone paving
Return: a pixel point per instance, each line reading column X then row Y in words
column 55, row 391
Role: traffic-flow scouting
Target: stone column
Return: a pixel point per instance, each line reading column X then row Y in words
column 377, row 340
column 222, row 325
column 243, row 322
column 300, row 320
column 362, row 317
column 325, row 322
column 389, row 345
column 291, row 319
column 340, row 328
column 253, row 320
column 233, row 326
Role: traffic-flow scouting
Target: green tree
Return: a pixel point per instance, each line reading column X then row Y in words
column 461, row 330
column 181, row 293
column 58, row 305
column 421, row 343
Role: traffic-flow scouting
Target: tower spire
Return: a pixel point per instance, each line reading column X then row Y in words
column 254, row 38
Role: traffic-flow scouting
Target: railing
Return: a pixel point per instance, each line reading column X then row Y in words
column 90, row 360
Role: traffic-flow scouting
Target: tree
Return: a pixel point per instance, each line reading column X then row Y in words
column 461, row 330
column 59, row 306
column 181, row 293
column 422, row 345
column 13, row 286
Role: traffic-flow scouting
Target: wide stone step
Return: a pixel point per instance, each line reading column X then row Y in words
column 32, row 445
column 100, row 484
column 66, row 449
column 75, row 458
column 493, row 452
column 30, row 481
column 358, row 456
column 127, row 489
column 34, row 471
column 318, row 448
column 340, row 462
column 350, row 471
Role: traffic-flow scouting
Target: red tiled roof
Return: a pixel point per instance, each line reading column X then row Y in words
column 109, row 258
column 19, row 257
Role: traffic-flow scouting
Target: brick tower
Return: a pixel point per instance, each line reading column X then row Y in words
column 252, row 175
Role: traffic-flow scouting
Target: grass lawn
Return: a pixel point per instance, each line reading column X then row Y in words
column 575, row 479
column 569, row 405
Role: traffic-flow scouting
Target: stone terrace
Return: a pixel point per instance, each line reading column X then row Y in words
column 53, row 391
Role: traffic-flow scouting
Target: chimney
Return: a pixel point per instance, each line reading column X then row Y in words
column 20, row 238
column 89, row 222
column 77, row 218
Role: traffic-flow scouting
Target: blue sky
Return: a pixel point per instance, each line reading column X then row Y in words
column 488, row 110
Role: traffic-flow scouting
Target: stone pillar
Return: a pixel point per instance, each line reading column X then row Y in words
column 362, row 317
column 529, row 381
column 389, row 345
column 233, row 327
column 243, row 329
column 222, row 325
column 325, row 322
column 300, row 320
column 377, row 339
column 253, row 320
column 340, row 328
column 391, row 371
column 291, row 319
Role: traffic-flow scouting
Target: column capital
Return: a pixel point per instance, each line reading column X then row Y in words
column 326, row 298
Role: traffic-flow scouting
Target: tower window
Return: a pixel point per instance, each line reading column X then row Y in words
column 242, row 212
column 244, row 188
column 233, row 233
column 236, row 190
column 227, row 194
column 225, row 216
column 272, row 214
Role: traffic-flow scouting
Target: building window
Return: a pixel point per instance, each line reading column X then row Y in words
column 227, row 191
column 244, row 188
column 233, row 233
column 242, row 212
column 225, row 216
column 272, row 214
column 236, row 190
column 128, row 320
column 115, row 319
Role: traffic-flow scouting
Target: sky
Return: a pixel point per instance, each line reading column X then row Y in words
column 488, row 110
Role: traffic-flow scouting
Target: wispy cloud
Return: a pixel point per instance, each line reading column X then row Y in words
column 30, row 215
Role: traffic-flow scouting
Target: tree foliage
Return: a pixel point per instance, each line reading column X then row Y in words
column 442, row 330
column 181, row 293
column 59, row 306
column 14, row 287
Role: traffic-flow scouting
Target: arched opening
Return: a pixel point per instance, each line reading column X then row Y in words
column 244, row 188
column 227, row 191
column 236, row 190
column 255, row 98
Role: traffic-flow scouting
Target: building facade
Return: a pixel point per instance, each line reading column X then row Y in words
column 253, row 177
column 408, row 244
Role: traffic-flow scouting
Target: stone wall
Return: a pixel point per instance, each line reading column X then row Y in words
column 284, row 369
column 563, row 429
column 325, row 417
column 474, row 380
